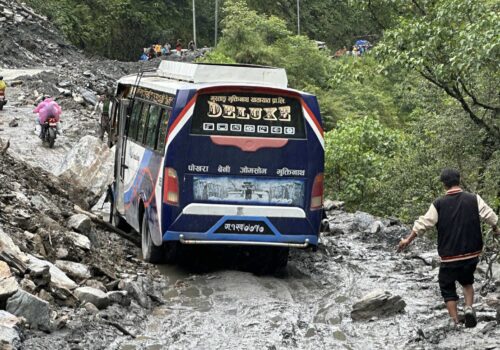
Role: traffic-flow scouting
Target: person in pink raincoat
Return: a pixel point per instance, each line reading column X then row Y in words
column 46, row 109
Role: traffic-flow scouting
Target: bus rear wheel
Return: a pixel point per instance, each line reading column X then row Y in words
column 270, row 259
column 166, row 253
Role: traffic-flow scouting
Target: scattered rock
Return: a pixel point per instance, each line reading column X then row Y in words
column 136, row 291
column 91, row 308
column 61, row 253
column 40, row 274
column 331, row 205
column 64, row 84
column 74, row 270
column 28, row 285
column 80, row 223
column 89, row 96
column 35, row 310
column 363, row 220
column 78, row 240
column 119, row 297
column 96, row 284
column 92, row 295
column 377, row 304
column 376, row 227
column 14, row 123
column 9, row 335
column 8, row 287
column 4, row 270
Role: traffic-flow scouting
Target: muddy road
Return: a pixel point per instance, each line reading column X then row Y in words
column 308, row 305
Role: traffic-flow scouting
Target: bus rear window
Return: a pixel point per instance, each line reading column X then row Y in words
column 248, row 114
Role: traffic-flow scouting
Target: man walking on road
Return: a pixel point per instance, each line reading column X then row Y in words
column 457, row 216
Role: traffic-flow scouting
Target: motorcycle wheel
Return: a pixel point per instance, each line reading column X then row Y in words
column 51, row 135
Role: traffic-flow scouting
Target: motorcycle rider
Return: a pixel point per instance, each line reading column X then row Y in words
column 3, row 86
column 47, row 109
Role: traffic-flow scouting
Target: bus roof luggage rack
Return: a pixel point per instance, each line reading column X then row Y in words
column 223, row 73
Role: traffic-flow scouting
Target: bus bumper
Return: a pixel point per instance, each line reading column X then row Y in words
column 221, row 233
column 183, row 240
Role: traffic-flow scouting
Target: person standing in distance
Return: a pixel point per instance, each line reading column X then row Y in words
column 457, row 216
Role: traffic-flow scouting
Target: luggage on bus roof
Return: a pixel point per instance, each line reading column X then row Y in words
column 216, row 73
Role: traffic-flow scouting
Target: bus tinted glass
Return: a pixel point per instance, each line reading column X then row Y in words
column 248, row 114
column 162, row 134
column 134, row 120
column 152, row 127
column 142, row 123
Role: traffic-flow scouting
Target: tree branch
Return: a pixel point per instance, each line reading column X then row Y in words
column 455, row 92
column 474, row 99
column 417, row 5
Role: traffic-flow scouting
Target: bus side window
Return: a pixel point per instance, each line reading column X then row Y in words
column 162, row 130
column 134, row 120
column 142, row 123
column 152, row 127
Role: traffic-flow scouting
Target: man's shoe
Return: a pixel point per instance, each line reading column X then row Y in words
column 470, row 317
column 452, row 325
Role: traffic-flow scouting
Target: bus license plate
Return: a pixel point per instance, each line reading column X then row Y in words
column 244, row 227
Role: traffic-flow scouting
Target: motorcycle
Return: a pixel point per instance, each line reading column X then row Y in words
column 3, row 101
column 49, row 131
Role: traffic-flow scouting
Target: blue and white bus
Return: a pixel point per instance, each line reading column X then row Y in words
column 217, row 154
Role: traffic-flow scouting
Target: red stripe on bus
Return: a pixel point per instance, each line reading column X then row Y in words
column 182, row 114
column 313, row 117
column 248, row 144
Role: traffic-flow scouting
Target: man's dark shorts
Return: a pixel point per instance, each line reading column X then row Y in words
column 460, row 271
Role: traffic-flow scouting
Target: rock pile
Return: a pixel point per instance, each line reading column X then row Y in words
column 48, row 270
column 28, row 39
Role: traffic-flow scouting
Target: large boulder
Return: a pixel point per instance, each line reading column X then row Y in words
column 35, row 310
column 377, row 304
column 88, row 164
column 57, row 277
column 92, row 295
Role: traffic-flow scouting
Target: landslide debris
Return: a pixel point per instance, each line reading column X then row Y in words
column 53, row 277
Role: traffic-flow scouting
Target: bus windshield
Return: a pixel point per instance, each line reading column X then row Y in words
column 249, row 115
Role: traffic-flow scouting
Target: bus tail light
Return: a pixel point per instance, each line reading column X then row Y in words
column 171, row 187
column 317, row 192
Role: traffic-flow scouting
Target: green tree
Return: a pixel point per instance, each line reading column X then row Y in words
column 454, row 44
column 357, row 153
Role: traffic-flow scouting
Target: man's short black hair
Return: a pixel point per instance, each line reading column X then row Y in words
column 450, row 177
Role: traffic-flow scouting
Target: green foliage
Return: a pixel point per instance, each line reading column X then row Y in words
column 357, row 154
column 455, row 45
